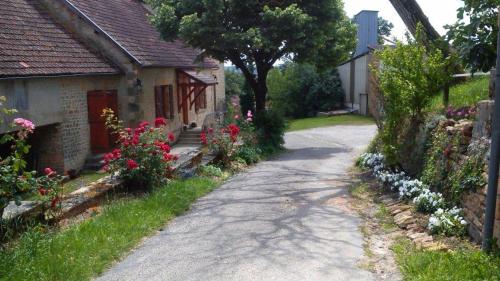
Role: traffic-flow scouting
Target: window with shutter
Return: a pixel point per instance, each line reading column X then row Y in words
column 201, row 101
column 164, row 101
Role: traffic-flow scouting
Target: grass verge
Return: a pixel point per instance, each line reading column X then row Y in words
column 465, row 94
column 459, row 265
column 85, row 250
column 84, row 179
column 325, row 121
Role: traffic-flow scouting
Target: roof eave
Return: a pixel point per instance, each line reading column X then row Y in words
column 180, row 66
column 56, row 75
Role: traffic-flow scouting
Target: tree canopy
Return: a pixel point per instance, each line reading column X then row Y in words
column 474, row 35
column 259, row 33
column 384, row 29
column 299, row 90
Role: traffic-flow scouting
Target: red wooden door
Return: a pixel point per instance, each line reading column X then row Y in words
column 101, row 140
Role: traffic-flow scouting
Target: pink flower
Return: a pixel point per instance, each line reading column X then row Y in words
column 249, row 116
column 168, row 157
column 234, row 131
column 203, row 138
column 131, row 164
column 25, row 124
column 163, row 146
column 171, row 137
column 236, row 117
column 160, row 122
column 42, row 191
column 135, row 140
column 210, row 130
column 49, row 172
column 108, row 157
column 143, row 125
column 117, row 153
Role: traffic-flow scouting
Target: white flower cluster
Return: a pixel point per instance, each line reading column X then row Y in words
column 398, row 181
column 448, row 222
column 428, row 201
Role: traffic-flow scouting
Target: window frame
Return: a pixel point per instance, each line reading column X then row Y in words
column 164, row 101
column 201, row 101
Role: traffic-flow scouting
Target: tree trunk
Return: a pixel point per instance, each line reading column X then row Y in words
column 446, row 94
column 411, row 14
column 260, row 94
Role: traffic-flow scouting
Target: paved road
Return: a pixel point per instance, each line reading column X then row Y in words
column 284, row 219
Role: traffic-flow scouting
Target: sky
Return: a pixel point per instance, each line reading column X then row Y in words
column 439, row 12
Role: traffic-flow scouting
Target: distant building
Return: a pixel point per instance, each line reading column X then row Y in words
column 355, row 73
column 63, row 61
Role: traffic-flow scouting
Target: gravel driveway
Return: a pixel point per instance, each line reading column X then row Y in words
column 284, row 219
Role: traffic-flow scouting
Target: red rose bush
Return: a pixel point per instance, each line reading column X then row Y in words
column 224, row 142
column 142, row 159
column 17, row 180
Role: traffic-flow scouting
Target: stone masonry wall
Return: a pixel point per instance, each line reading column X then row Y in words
column 474, row 202
column 75, row 126
column 46, row 144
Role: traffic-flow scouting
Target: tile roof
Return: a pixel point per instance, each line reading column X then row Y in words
column 32, row 44
column 201, row 77
column 127, row 22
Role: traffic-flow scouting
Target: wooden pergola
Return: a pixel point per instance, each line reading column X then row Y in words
column 190, row 85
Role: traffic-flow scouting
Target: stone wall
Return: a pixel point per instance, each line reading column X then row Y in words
column 75, row 126
column 46, row 146
column 474, row 202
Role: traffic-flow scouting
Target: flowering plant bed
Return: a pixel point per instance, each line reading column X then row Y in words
column 16, row 180
column 142, row 159
column 467, row 112
column 442, row 221
column 224, row 142
column 236, row 144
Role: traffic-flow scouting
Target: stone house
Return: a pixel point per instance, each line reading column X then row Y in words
column 63, row 61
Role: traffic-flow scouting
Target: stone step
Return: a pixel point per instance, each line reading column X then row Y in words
column 189, row 138
column 181, row 142
column 191, row 134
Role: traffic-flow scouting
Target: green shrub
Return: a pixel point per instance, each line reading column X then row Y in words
column 375, row 145
column 270, row 129
column 435, row 170
column 300, row 90
column 410, row 76
column 210, row 171
column 249, row 154
column 468, row 174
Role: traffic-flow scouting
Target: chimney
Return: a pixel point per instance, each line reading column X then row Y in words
column 367, row 22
